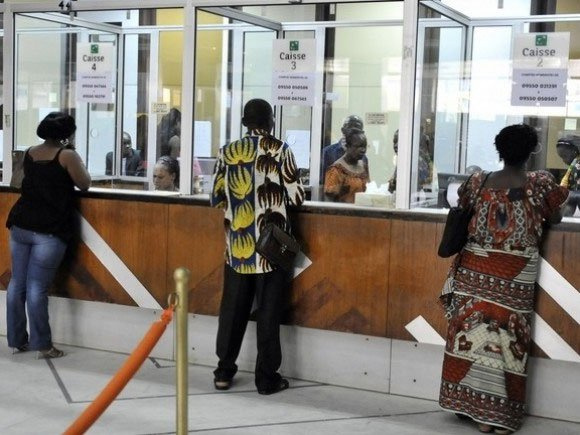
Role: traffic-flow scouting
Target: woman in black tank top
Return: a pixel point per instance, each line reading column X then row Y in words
column 41, row 223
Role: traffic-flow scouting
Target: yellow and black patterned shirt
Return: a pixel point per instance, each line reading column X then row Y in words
column 255, row 178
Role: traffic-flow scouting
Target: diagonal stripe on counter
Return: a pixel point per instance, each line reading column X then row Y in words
column 116, row 267
column 553, row 283
column 559, row 289
column 551, row 343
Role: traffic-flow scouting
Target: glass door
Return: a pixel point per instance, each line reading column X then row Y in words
column 48, row 51
column 233, row 64
column 441, row 107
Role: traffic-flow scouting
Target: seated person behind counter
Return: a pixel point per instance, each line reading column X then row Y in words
column 350, row 173
column 332, row 153
column 568, row 148
column 132, row 164
column 166, row 174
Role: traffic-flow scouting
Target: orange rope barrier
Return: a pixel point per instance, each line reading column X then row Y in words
column 122, row 377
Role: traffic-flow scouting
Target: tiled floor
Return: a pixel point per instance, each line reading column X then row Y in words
column 44, row 396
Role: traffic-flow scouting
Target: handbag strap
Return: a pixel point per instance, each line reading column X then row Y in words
column 479, row 190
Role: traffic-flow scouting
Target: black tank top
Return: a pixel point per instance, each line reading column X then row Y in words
column 46, row 204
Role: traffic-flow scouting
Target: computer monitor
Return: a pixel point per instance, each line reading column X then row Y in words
column 445, row 179
column 206, row 165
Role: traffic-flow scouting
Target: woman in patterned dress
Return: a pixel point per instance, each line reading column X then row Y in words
column 349, row 174
column 489, row 293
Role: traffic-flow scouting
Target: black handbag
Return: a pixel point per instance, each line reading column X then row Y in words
column 17, row 168
column 277, row 246
column 456, row 227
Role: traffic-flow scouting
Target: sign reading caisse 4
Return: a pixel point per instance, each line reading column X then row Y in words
column 95, row 72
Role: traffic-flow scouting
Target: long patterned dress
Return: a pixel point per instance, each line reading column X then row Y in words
column 489, row 300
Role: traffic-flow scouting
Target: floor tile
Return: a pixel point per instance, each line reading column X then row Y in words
column 45, row 396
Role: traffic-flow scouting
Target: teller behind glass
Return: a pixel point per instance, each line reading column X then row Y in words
column 350, row 173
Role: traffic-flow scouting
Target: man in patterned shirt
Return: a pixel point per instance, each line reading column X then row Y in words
column 255, row 178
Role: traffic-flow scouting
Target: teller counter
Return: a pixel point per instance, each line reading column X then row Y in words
column 373, row 272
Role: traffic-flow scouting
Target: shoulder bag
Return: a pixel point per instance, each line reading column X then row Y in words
column 17, row 168
column 456, row 227
column 277, row 246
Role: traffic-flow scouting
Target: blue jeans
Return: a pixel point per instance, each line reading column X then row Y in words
column 35, row 260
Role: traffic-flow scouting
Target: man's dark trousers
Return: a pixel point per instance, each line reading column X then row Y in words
column 237, row 299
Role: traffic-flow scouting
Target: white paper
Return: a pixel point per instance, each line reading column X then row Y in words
column 570, row 124
column 202, row 138
column 452, row 196
column 301, row 263
column 299, row 141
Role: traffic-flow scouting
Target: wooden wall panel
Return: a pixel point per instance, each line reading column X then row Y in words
column 417, row 276
column 137, row 233
column 197, row 242
column 562, row 250
column 7, row 201
column 370, row 275
column 82, row 276
column 345, row 288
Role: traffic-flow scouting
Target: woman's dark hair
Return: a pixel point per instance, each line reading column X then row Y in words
column 515, row 143
column 351, row 133
column 171, row 165
column 56, row 126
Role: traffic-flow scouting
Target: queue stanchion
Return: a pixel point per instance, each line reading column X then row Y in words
column 123, row 375
column 181, row 277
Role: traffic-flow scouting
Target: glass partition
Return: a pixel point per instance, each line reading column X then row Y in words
column 46, row 51
column 468, row 89
column 118, row 136
column 232, row 66
column 357, row 76
column 436, row 151
column 363, row 78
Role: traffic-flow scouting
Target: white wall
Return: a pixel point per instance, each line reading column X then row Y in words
column 358, row 361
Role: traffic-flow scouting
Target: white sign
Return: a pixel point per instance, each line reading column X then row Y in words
column 95, row 72
column 159, row 108
column 294, row 65
column 540, row 69
column 375, row 118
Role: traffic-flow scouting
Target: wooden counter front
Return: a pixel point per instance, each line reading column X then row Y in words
column 372, row 272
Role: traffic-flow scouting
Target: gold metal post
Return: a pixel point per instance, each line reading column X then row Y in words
column 181, row 277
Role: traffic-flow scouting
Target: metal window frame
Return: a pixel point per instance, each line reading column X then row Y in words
column 189, row 7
